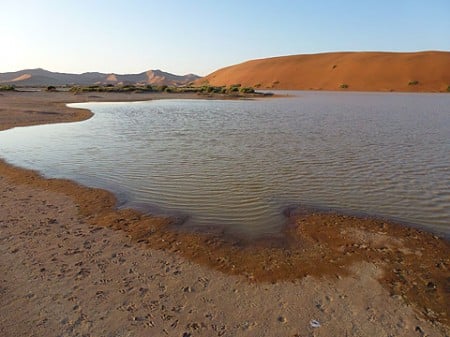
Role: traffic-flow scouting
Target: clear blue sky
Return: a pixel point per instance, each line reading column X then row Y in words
column 200, row 36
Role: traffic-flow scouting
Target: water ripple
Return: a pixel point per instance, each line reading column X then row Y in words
column 238, row 163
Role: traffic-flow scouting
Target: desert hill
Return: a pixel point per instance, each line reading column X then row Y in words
column 361, row 71
column 41, row 77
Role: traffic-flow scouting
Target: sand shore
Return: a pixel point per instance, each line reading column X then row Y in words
column 73, row 265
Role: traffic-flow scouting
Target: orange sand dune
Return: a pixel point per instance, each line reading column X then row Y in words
column 21, row 78
column 362, row 71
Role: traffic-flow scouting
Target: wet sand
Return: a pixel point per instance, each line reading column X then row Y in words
column 74, row 265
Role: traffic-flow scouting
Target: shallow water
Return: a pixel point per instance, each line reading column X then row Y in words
column 237, row 164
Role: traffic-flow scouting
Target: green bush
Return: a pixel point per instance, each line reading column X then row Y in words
column 75, row 89
column 7, row 87
column 210, row 89
column 448, row 88
column 51, row 88
column 160, row 88
column 415, row 82
column 128, row 88
column 343, row 86
column 247, row 90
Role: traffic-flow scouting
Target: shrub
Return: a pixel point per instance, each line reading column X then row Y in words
column 128, row 87
column 343, row 86
column 415, row 82
column 217, row 90
column 448, row 88
column 7, row 87
column 161, row 88
column 247, row 90
column 210, row 89
column 233, row 89
column 75, row 89
column 51, row 88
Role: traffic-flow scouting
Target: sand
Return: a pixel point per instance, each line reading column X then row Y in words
column 73, row 265
column 355, row 71
column 20, row 108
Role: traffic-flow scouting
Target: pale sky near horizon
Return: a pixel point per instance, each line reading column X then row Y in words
column 201, row 36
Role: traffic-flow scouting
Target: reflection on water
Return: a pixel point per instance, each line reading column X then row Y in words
column 238, row 163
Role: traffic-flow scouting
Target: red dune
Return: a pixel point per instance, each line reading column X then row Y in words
column 361, row 71
column 21, row 78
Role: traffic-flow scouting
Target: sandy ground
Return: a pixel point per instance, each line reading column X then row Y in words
column 20, row 108
column 72, row 265
column 358, row 71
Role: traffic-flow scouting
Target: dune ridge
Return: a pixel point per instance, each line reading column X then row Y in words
column 42, row 77
column 427, row 71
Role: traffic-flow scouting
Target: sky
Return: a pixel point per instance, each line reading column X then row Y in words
column 200, row 36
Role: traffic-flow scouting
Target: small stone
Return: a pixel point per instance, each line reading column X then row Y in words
column 431, row 285
column 315, row 323
column 282, row 319
column 440, row 265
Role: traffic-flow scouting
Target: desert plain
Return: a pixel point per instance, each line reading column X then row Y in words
column 72, row 264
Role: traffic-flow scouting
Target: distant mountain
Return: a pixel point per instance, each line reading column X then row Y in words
column 361, row 71
column 42, row 77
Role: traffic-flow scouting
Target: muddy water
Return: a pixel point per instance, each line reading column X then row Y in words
column 237, row 164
